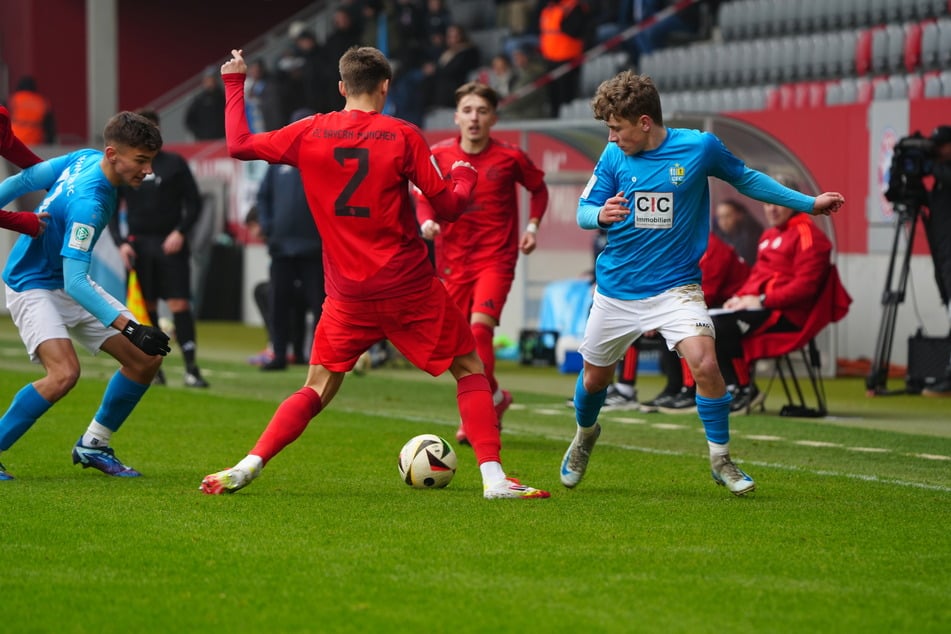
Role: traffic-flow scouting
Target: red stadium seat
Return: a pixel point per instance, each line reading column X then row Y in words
column 912, row 52
column 863, row 52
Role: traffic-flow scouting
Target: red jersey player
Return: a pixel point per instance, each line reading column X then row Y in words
column 15, row 151
column 476, row 255
column 357, row 165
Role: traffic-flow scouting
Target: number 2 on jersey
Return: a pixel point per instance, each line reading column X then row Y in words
column 342, row 206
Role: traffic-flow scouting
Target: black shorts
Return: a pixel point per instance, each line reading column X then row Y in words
column 162, row 276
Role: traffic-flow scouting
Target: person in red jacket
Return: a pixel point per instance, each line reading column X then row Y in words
column 16, row 151
column 476, row 255
column 793, row 261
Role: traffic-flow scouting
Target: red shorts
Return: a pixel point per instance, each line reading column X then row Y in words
column 426, row 327
column 485, row 294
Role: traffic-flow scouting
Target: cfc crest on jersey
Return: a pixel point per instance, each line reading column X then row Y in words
column 677, row 174
column 80, row 236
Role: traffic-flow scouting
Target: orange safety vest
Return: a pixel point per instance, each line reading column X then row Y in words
column 27, row 111
column 554, row 45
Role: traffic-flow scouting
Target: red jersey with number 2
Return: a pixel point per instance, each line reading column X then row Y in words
column 356, row 167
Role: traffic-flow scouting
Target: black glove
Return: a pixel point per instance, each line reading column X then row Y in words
column 148, row 339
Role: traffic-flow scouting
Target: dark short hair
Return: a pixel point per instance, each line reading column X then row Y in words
column 479, row 89
column 132, row 130
column 363, row 69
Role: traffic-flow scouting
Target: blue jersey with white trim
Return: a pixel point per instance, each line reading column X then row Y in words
column 659, row 245
column 81, row 200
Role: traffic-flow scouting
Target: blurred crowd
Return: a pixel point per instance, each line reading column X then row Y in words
column 432, row 54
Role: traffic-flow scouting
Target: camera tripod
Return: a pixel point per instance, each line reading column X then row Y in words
column 893, row 295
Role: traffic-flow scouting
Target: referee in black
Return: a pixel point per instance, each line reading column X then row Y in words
column 159, row 215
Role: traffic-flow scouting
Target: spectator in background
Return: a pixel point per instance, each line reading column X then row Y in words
column 734, row 224
column 562, row 26
column 296, row 255
column 345, row 34
column 160, row 212
column 528, row 68
column 514, row 15
column 205, row 116
column 501, row 76
column 454, row 66
column 31, row 114
column 437, row 18
column 263, row 98
column 793, row 263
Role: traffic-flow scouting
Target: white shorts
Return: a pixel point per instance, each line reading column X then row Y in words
column 614, row 324
column 41, row 315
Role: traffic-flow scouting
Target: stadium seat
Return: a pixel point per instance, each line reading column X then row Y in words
column 728, row 20
column 932, row 83
column 946, row 83
column 490, row 42
column 843, row 60
column 833, row 93
column 929, row 45
column 877, row 10
column 881, row 89
column 944, row 42
column 863, row 52
column 911, row 53
column 849, row 90
column 831, row 306
column 916, row 86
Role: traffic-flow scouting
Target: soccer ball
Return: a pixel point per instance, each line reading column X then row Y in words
column 427, row 462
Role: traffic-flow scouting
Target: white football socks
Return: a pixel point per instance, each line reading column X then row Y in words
column 97, row 435
column 492, row 473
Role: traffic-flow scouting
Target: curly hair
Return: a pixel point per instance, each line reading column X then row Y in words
column 627, row 95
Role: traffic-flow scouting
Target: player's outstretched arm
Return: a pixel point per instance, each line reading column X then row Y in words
column 827, row 202
column 27, row 222
column 12, row 148
column 237, row 132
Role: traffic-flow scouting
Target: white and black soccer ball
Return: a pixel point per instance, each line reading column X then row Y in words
column 427, row 462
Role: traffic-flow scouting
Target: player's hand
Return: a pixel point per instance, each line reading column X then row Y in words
column 148, row 339
column 173, row 242
column 235, row 64
column 429, row 229
column 43, row 215
column 827, row 202
column 615, row 210
column 528, row 242
column 463, row 164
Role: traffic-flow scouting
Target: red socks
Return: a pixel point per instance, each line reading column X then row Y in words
column 288, row 423
column 483, row 336
column 478, row 417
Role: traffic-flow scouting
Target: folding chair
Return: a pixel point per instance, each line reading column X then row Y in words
column 831, row 305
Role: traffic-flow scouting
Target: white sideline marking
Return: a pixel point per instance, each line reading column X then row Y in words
column 764, row 437
column 669, row 452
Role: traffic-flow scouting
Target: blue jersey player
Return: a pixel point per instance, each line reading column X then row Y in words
column 649, row 192
column 51, row 297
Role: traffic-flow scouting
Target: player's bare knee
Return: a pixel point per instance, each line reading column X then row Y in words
column 59, row 381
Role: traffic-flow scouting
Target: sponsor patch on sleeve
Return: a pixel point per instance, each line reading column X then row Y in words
column 80, row 236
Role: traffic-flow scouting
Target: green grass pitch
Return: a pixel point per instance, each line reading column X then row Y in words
column 849, row 529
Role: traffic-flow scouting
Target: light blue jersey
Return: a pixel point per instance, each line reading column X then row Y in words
column 659, row 245
column 81, row 200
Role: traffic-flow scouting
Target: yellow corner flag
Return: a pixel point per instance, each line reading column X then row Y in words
column 134, row 300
